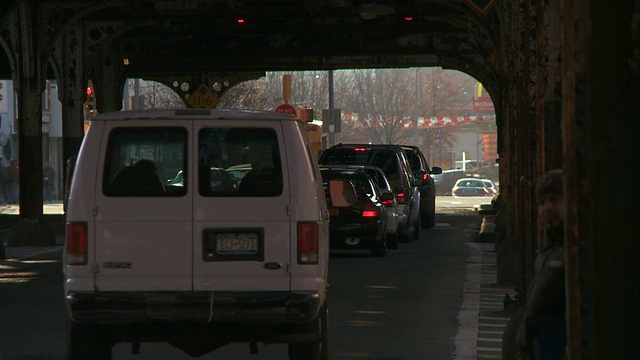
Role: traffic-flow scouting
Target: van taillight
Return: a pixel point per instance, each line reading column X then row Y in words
column 308, row 243
column 400, row 197
column 370, row 213
column 425, row 177
column 76, row 246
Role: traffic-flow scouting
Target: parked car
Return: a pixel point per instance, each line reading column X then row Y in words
column 392, row 210
column 362, row 226
column 195, row 265
column 393, row 162
column 470, row 187
column 427, row 187
column 445, row 180
column 491, row 188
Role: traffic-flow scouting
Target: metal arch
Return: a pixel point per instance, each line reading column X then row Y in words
column 77, row 11
column 219, row 83
column 93, row 47
column 462, row 33
column 8, row 54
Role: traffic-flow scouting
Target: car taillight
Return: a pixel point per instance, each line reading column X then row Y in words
column 387, row 202
column 360, row 149
column 76, row 246
column 370, row 213
column 400, row 197
column 425, row 177
column 308, row 243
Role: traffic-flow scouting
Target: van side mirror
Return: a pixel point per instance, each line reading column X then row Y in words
column 342, row 193
column 436, row 170
column 387, row 197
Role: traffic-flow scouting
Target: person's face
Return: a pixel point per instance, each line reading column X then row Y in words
column 551, row 210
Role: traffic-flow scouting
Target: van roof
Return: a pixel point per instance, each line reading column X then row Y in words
column 208, row 114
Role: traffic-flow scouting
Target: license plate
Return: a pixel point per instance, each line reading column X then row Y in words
column 237, row 243
column 233, row 244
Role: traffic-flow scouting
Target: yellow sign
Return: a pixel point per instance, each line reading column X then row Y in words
column 484, row 126
column 203, row 98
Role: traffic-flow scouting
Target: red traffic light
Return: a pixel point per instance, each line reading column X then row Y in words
column 89, row 91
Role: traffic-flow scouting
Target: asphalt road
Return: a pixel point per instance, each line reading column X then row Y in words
column 403, row 306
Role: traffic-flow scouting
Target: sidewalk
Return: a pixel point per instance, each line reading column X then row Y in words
column 54, row 207
column 29, row 252
column 482, row 317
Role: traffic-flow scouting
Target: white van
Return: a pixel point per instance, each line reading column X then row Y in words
column 163, row 244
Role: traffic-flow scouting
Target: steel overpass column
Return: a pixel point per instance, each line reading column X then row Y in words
column 71, row 91
column 27, row 47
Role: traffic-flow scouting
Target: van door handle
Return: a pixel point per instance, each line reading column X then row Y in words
column 272, row 266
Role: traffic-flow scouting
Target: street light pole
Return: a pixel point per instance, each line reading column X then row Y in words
column 416, row 138
column 332, row 121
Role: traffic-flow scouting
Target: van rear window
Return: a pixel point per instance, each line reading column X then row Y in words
column 382, row 158
column 239, row 162
column 146, row 162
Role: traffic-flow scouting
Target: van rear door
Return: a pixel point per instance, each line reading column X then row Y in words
column 241, row 238
column 143, row 212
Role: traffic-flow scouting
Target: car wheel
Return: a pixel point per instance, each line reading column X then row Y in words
column 314, row 350
column 392, row 240
column 379, row 248
column 425, row 221
column 428, row 220
column 86, row 341
column 406, row 236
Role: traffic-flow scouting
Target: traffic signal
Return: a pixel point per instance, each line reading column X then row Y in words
column 305, row 114
column 90, row 111
column 308, row 115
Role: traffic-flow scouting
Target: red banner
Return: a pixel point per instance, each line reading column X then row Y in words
column 483, row 104
column 490, row 146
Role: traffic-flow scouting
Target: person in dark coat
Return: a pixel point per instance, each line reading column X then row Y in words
column 541, row 323
column 48, row 177
column 13, row 174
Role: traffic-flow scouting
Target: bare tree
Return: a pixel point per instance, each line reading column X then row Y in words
column 159, row 96
column 153, row 95
column 253, row 95
column 308, row 88
column 383, row 102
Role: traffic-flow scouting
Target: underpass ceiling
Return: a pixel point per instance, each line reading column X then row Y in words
column 163, row 38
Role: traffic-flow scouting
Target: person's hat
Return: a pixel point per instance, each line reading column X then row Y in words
column 550, row 182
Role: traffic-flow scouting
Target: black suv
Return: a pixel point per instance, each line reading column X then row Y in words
column 394, row 163
column 420, row 169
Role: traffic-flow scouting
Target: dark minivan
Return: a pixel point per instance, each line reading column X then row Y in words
column 392, row 160
column 427, row 187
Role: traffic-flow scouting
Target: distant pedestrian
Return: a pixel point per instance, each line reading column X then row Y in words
column 12, row 175
column 541, row 324
column 5, row 183
column 48, row 181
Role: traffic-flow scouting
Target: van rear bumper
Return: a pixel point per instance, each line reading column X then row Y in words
column 198, row 306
